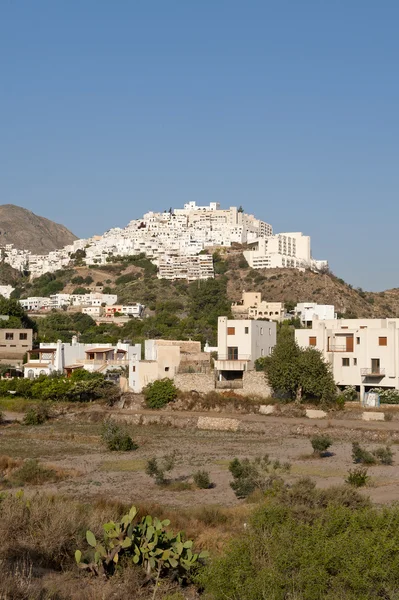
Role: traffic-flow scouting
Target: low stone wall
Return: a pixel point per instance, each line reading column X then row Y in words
column 200, row 382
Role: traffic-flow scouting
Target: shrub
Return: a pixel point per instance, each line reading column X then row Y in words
column 387, row 396
column 202, row 480
column 33, row 473
column 358, row 477
column 361, row 455
column 258, row 474
column 320, row 444
column 158, row 469
column 36, row 415
column 309, row 556
column 384, row 455
column 159, row 393
column 116, row 439
column 350, row 393
column 2, row 418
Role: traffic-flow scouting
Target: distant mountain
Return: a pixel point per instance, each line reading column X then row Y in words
column 27, row 231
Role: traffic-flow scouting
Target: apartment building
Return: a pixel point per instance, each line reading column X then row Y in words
column 189, row 268
column 14, row 344
column 240, row 343
column 284, row 250
column 308, row 312
column 251, row 306
column 362, row 352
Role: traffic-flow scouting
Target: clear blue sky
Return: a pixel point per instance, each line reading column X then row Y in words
column 288, row 107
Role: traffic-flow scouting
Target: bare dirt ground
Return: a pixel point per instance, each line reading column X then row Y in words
column 75, row 446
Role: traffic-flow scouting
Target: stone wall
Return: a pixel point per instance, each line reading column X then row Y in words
column 201, row 382
column 255, row 384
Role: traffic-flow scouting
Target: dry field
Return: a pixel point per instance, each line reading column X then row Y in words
column 90, row 472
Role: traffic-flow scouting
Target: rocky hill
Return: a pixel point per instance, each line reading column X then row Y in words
column 27, row 231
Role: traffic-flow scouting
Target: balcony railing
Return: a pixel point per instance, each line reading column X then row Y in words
column 373, row 372
column 239, row 357
column 338, row 348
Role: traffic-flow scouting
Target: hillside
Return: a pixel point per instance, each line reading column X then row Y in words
column 135, row 281
column 28, row 231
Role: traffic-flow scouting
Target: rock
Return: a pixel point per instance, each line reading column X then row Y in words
column 313, row 413
column 267, row 409
column 218, row 423
column 373, row 416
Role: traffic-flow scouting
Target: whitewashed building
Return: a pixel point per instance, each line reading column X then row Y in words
column 308, row 312
column 362, row 352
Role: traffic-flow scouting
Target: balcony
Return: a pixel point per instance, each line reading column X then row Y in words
column 338, row 348
column 373, row 372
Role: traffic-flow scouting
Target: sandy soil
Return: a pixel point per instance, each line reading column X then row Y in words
column 76, row 446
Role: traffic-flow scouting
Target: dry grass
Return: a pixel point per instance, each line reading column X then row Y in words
column 40, row 536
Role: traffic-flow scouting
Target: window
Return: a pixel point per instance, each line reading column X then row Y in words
column 345, row 362
column 382, row 341
column 262, row 352
column 232, row 353
column 30, row 374
column 23, row 336
column 354, row 362
column 344, row 328
column 166, row 369
column 261, row 330
column 9, row 336
column 312, row 341
column 231, row 331
column 363, row 326
column 270, row 330
column 246, row 330
column 358, row 340
column 134, row 369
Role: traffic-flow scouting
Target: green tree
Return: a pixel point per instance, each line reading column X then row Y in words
column 295, row 373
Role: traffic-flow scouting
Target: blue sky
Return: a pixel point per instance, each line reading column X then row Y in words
column 109, row 109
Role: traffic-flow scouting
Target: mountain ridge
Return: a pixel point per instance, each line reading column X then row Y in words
column 28, row 231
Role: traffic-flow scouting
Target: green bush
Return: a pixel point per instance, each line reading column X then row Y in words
column 157, row 468
column 384, row 455
column 159, row 393
column 202, row 480
column 362, row 456
column 36, row 415
column 258, row 474
column 358, row 477
column 387, row 396
column 350, row 393
column 116, row 439
column 332, row 552
column 320, row 444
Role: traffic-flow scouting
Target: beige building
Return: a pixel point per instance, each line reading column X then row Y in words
column 164, row 359
column 14, row 344
column 240, row 343
column 362, row 352
column 252, row 306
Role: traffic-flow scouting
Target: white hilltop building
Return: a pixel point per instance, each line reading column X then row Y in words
column 284, row 250
column 170, row 238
